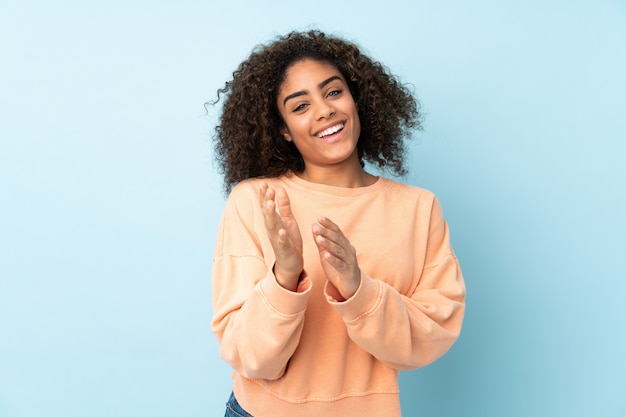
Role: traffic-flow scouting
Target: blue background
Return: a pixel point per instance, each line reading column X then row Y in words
column 110, row 200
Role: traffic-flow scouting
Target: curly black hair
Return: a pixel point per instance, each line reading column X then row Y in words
column 247, row 140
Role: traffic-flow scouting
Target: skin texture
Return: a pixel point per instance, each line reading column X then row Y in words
column 313, row 98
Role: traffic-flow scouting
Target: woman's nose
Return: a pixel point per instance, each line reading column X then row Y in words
column 325, row 110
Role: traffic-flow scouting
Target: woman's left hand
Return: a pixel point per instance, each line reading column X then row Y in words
column 338, row 257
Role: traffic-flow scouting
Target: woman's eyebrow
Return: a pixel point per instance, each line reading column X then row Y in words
column 325, row 82
column 294, row 95
column 305, row 92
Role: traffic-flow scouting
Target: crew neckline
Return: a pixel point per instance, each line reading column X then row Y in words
column 381, row 182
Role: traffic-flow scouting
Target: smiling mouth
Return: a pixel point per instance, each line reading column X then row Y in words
column 333, row 129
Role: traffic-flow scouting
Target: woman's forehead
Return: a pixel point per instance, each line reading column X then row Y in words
column 308, row 73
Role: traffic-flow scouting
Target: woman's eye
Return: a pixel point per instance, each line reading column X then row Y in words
column 299, row 107
column 334, row 93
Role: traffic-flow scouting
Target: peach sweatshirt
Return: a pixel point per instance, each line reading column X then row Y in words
column 303, row 353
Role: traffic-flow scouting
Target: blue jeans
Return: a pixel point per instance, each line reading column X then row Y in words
column 233, row 409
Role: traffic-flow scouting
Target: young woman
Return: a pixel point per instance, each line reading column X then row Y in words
column 327, row 280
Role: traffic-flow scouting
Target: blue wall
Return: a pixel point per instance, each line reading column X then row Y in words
column 110, row 202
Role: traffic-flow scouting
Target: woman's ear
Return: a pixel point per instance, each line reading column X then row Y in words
column 285, row 133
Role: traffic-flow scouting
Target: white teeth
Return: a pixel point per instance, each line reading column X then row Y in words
column 330, row 130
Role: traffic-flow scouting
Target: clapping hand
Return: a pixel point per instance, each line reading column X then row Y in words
column 338, row 257
column 284, row 235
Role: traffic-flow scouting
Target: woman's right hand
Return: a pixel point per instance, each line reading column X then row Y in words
column 284, row 235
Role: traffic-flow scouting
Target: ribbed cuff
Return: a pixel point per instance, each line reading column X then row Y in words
column 364, row 301
column 281, row 300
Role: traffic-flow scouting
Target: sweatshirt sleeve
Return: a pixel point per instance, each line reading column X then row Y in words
column 257, row 322
column 410, row 331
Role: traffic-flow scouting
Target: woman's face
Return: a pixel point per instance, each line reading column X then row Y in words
column 319, row 114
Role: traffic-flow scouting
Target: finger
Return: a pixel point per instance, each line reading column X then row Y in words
column 337, row 263
column 332, row 233
column 327, row 237
column 265, row 193
column 268, row 206
column 270, row 210
column 262, row 190
column 328, row 245
column 347, row 267
column 328, row 224
column 283, row 203
column 286, row 216
column 263, row 187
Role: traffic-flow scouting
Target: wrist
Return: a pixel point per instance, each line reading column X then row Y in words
column 288, row 280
